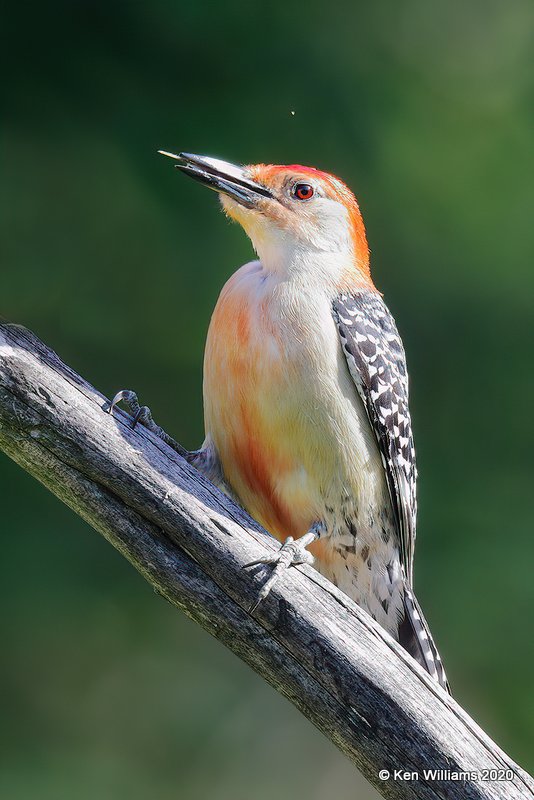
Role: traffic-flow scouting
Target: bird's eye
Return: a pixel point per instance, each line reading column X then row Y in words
column 303, row 191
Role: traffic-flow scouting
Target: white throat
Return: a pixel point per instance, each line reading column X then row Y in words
column 320, row 260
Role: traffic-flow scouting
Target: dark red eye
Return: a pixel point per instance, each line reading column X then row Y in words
column 303, row 191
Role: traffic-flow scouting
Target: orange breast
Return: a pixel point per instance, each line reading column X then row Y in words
column 247, row 409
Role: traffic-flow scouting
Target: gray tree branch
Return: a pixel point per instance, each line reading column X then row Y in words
column 190, row 542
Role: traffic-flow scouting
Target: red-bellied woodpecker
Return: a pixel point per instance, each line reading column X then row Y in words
column 306, row 393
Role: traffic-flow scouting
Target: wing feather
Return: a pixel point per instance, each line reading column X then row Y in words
column 377, row 363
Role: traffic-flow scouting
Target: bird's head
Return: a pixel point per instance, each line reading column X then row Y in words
column 292, row 214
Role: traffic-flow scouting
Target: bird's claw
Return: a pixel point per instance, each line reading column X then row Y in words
column 142, row 414
column 290, row 553
column 129, row 397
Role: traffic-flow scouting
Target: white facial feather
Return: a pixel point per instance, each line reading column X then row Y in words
column 312, row 241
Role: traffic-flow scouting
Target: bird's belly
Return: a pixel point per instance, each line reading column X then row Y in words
column 266, row 447
column 289, row 428
column 284, row 463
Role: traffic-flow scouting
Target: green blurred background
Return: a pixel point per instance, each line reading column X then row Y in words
column 116, row 261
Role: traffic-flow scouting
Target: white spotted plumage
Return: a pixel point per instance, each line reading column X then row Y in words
column 377, row 363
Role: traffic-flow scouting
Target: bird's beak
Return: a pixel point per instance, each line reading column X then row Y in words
column 222, row 177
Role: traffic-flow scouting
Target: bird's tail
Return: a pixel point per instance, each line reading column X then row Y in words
column 415, row 637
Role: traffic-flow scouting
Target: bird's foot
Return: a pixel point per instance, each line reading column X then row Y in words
column 293, row 551
column 143, row 415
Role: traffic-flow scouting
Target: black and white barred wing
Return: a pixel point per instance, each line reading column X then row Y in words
column 377, row 364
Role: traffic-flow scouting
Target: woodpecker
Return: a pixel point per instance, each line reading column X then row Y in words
column 307, row 422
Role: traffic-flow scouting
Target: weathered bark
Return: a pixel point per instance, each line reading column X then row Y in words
column 190, row 542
